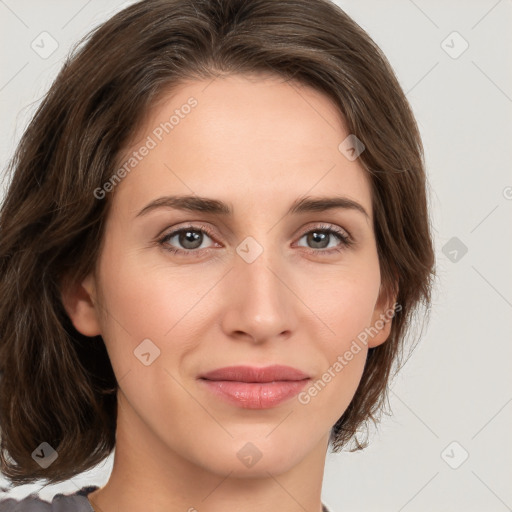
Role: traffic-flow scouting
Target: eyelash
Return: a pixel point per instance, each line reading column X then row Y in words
column 345, row 240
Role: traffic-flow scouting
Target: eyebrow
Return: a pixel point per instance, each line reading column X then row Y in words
column 214, row 206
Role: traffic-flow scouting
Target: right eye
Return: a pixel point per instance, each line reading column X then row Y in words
column 190, row 238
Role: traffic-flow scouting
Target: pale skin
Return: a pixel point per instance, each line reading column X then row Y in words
column 257, row 144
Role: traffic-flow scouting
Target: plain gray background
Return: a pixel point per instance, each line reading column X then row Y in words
column 453, row 398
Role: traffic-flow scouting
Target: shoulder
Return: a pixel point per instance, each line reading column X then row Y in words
column 28, row 504
column 76, row 502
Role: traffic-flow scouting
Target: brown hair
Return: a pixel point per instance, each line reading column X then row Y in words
column 56, row 385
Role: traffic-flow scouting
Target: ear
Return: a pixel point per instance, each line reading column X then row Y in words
column 79, row 301
column 382, row 317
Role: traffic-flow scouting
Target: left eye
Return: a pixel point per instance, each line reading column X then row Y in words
column 320, row 238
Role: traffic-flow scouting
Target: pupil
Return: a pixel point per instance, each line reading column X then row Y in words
column 319, row 238
column 189, row 239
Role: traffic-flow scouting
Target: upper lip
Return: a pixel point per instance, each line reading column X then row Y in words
column 255, row 374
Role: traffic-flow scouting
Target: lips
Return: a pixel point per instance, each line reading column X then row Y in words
column 255, row 374
column 249, row 387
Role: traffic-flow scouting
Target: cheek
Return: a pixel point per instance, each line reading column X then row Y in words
column 345, row 304
column 150, row 304
column 347, row 313
column 350, row 311
column 144, row 301
column 344, row 300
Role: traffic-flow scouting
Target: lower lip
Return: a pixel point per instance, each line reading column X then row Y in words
column 255, row 395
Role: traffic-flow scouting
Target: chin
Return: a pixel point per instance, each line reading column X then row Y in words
column 256, row 458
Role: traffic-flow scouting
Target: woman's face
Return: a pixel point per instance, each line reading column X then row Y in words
column 263, row 284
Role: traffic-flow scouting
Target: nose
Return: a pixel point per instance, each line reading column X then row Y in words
column 259, row 302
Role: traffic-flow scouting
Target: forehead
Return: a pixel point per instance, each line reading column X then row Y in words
column 259, row 136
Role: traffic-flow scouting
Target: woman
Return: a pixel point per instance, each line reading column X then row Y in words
column 214, row 241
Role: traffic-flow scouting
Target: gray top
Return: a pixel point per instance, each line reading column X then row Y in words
column 76, row 502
